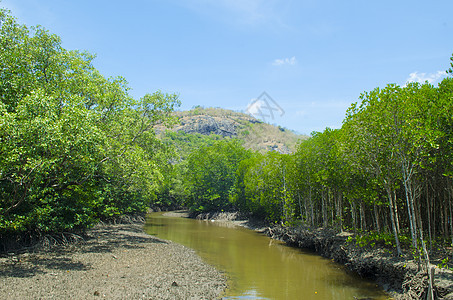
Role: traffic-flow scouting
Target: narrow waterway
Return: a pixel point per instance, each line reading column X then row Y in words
column 261, row 268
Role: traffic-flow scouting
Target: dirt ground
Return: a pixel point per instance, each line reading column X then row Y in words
column 116, row 262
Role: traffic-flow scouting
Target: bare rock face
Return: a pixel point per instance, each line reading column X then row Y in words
column 207, row 125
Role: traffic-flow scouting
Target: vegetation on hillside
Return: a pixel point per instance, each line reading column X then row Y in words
column 255, row 134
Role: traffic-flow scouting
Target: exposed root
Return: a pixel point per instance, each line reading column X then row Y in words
column 225, row 216
column 64, row 239
column 416, row 286
column 34, row 241
column 396, row 274
column 126, row 219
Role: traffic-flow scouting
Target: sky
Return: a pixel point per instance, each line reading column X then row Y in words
column 297, row 64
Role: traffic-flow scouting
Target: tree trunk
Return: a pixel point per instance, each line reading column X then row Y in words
column 340, row 210
column 324, row 209
column 397, row 218
column 410, row 211
column 376, row 217
column 393, row 221
column 428, row 208
column 362, row 217
column 300, row 205
column 353, row 215
column 312, row 209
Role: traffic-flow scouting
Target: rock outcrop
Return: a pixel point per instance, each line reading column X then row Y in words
column 205, row 124
column 257, row 135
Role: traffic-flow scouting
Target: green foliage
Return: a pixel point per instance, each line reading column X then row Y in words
column 371, row 239
column 264, row 185
column 210, row 176
column 184, row 143
column 445, row 263
column 74, row 146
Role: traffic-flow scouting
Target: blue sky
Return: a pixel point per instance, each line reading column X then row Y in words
column 313, row 58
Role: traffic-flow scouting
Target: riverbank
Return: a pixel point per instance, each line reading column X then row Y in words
column 113, row 262
column 398, row 276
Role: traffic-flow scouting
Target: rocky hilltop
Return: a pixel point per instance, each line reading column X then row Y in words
column 256, row 134
column 206, row 125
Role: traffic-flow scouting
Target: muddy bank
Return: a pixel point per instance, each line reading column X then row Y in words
column 233, row 218
column 114, row 262
column 398, row 276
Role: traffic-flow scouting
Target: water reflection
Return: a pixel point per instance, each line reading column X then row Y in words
column 261, row 268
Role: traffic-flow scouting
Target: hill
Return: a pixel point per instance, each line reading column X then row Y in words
column 222, row 123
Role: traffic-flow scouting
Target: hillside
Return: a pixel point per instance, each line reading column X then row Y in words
column 224, row 123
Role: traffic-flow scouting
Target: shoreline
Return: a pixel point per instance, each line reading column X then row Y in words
column 123, row 262
column 399, row 277
column 115, row 262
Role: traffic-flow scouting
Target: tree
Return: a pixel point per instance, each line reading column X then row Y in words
column 74, row 146
column 212, row 174
column 370, row 141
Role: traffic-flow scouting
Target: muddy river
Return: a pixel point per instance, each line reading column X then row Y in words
column 260, row 268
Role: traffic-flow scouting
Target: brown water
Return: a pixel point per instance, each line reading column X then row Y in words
column 261, row 268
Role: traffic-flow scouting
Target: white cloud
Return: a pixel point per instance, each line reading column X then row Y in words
column 422, row 77
column 285, row 61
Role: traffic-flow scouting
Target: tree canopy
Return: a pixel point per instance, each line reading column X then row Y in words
column 75, row 147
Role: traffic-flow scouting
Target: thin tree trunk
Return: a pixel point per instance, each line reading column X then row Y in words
column 451, row 223
column 312, row 210
column 376, row 217
column 285, row 198
column 397, row 218
column 300, row 205
column 429, row 270
column 329, row 204
column 429, row 215
column 353, row 215
column 340, row 210
column 324, row 209
column 307, row 212
column 409, row 204
column 362, row 217
column 393, row 221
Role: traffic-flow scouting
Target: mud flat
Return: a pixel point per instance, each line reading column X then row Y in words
column 114, row 262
